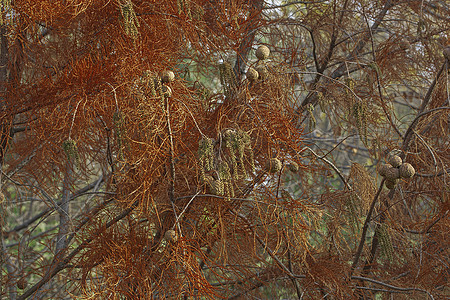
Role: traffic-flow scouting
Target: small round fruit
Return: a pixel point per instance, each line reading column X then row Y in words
column 404, row 44
column 263, row 73
column 446, row 53
column 395, row 161
column 383, row 169
column 252, row 74
column 167, row 76
column 273, row 165
column 171, row 236
column 392, row 174
column 293, row 167
column 390, row 184
column 406, row 170
column 262, row 52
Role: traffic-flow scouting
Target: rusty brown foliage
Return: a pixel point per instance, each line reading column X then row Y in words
column 119, row 182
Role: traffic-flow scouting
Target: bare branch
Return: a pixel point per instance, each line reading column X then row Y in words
column 392, row 286
column 293, row 3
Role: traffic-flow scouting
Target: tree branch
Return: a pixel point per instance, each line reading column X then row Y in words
column 79, row 193
column 63, row 263
column 392, row 286
column 246, row 44
column 312, row 98
column 292, row 3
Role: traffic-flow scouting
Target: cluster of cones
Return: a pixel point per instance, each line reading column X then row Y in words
column 394, row 170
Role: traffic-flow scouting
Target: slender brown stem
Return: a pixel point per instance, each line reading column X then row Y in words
column 396, row 288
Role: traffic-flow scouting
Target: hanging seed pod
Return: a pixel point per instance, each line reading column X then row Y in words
column 227, row 78
column 228, row 134
column 206, row 154
column 359, row 112
column 446, row 53
column 224, row 171
column 216, row 187
column 167, row 76
column 382, row 171
column 404, row 44
column 395, row 161
column 252, row 74
column 385, row 241
column 406, row 170
column 130, row 20
column 273, row 165
column 171, row 236
column 262, row 71
column 390, row 184
column 262, row 52
column 71, row 149
column 392, row 174
column 207, row 179
column 293, row 167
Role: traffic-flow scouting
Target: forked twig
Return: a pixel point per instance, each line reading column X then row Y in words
column 184, row 209
column 332, row 166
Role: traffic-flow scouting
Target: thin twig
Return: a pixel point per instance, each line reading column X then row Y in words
column 184, row 209
column 11, row 269
column 172, row 153
column 332, row 166
column 427, row 229
column 79, row 193
column 63, row 263
column 335, row 146
column 193, row 118
column 266, row 247
column 392, row 286
column 342, row 69
column 430, row 150
column 73, row 118
column 381, row 290
column 43, row 192
column 409, row 131
column 292, row 3
column 383, row 104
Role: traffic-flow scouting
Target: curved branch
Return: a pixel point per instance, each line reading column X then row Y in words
column 420, row 113
column 396, row 288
